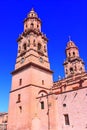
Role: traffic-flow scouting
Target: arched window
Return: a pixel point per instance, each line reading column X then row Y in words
column 71, row 70
column 39, row 46
column 24, row 46
column 73, row 53
column 32, row 25
column 19, row 98
column 37, row 26
column 42, row 104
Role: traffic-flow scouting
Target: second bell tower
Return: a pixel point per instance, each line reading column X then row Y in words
column 73, row 64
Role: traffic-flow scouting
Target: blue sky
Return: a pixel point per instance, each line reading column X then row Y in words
column 60, row 18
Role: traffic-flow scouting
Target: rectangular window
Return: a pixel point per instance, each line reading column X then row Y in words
column 42, row 82
column 20, row 81
column 66, row 116
column 42, row 105
column 19, row 98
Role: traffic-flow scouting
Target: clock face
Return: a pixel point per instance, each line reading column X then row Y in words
column 41, row 59
column 22, row 59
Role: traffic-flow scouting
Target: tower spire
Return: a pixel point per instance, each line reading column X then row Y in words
column 69, row 38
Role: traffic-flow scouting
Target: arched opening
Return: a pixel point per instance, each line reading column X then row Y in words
column 42, row 104
column 71, row 70
column 24, row 46
column 32, row 25
column 74, row 54
column 39, row 47
column 37, row 26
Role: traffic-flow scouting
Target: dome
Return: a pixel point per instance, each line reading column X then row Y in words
column 71, row 44
column 32, row 14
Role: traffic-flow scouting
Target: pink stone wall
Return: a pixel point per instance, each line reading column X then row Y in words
column 76, row 108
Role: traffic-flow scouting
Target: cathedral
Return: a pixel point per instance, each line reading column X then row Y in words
column 38, row 103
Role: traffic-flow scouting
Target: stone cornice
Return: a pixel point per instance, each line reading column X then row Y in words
column 32, row 18
column 26, row 86
column 29, row 65
column 30, row 31
column 71, row 80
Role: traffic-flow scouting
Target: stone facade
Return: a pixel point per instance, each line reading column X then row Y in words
column 39, row 103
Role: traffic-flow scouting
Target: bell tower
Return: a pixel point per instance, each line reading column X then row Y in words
column 73, row 63
column 32, row 43
column 31, row 76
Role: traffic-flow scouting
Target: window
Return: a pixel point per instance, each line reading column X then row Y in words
column 32, row 25
column 42, row 82
column 20, row 108
column 71, row 70
column 73, row 53
column 20, row 82
column 66, row 116
column 64, row 105
column 42, row 105
column 19, row 98
column 32, row 15
column 37, row 26
column 28, row 43
column 24, row 46
column 39, row 46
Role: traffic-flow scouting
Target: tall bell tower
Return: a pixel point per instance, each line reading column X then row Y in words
column 32, row 76
column 73, row 63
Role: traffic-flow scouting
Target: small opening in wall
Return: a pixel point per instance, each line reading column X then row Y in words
column 20, row 108
column 73, row 53
column 71, row 70
column 39, row 46
column 32, row 25
column 20, row 82
column 42, row 82
column 24, row 46
column 66, row 116
column 64, row 105
column 32, row 14
column 42, row 104
column 37, row 26
column 19, row 98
